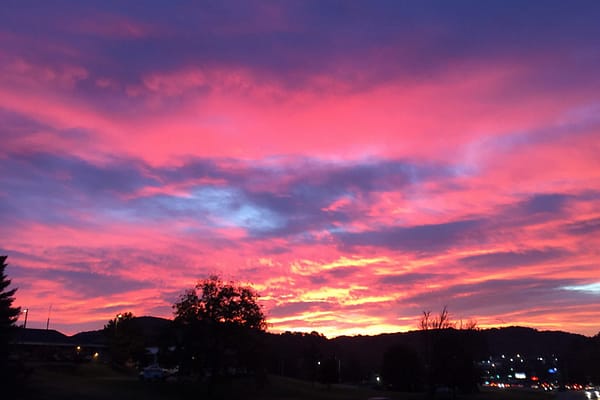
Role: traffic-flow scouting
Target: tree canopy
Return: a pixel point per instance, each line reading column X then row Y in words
column 450, row 352
column 215, row 301
column 221, row 325
column 402, row 368
column 126, row 342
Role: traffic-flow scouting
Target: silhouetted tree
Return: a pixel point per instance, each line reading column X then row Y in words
column 214, row 301
column 125, row 339
column 8, row 314
column 221, row 324
column 295, row 354
column 449, row 353
column 595, row 358
column 581, row 361
column 402, row 369
column 312, row 354
column 353, row 370
column 442, row 321
column 329, row 371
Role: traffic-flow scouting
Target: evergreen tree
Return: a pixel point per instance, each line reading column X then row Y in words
column 125, row 339
column 8, row 313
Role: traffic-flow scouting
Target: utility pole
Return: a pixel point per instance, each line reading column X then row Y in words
column 48, row 320
column 26, row 311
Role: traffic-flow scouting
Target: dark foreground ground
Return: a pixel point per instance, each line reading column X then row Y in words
column 97, row 381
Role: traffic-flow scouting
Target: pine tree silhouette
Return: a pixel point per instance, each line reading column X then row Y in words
column 8, row 314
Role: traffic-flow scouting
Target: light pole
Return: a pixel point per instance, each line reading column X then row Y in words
column 26, row 311
column 119, row 316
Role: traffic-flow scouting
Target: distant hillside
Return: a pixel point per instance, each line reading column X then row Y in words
column 510, row 340
column 361, row 355
column 531, row 342
column 494, row 342
column 291, row 353
column 151, row 329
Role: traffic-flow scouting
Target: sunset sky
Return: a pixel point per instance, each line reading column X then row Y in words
column 356, row 162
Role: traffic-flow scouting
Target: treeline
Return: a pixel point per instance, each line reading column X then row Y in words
column 362, row 357
column 412, row 361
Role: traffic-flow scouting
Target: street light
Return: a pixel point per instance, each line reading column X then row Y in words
column 26, row 311
column 119, row 316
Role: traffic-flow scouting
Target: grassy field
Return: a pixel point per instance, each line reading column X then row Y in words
column 96, row 381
